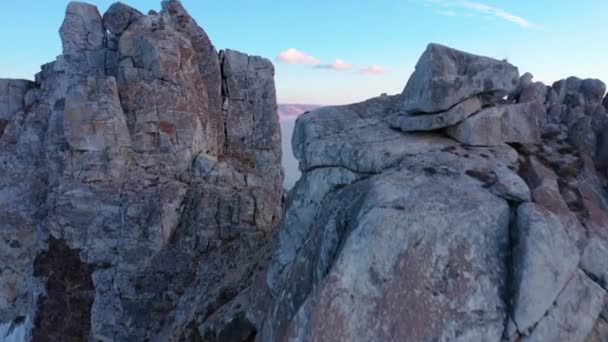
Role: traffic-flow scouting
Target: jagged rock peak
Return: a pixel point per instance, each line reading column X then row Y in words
column 142, row 180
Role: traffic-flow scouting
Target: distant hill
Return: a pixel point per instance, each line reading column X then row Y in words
column 294, row 110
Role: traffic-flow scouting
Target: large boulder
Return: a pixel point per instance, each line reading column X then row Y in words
column 536, row 92
column 543, row 250
column 593, row 90
column 573, row 316
column 516, row 123
column 82, row 28
column 119, row 16
column 594, row 261
column 445, row 77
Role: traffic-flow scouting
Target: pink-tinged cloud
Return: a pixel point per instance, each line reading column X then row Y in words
column 337, row 65
column 295, row 56
column 373, row 70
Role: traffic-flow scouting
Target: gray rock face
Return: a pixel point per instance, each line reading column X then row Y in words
column 379, row 242
column 445, row 77
column 132, row 203
column 543, row 250
column 414, row 123
column 517, row 123
column 573, row 316
column 536, row 92
column 13, row 99
column 575, row 106
column 359, row 244
column 119, row 16
column 594, row 261
column 141, row 199
column 350, row 250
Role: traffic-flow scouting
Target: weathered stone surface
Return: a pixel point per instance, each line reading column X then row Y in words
column 542, row 251
column 602, row 149
column 123, row 205
column 519, row 123
column 593, row 90
column 432, row 122
column 141, row 194
column 13, row 97
column 573, row 316
column 600, row 331
column 445, row 77
column 536, row 92
column 334, row 136
column 324, row 247
column 82, row 28
column 392, row 223
column 119, row 16
column 594, row 261
column 525, row 81
column 251, row 111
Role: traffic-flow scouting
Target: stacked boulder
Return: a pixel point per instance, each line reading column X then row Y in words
column 456, row 211
column 464, row 94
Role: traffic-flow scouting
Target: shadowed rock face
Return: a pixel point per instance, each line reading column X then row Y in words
column 64, row 309
column 141, row 181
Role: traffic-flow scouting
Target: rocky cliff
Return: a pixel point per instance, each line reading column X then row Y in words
column 141, row 199
column 469, row 208
column 141, row 181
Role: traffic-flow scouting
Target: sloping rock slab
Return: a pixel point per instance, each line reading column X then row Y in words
column 573, row 316
column 543, row 251
column 431, row 122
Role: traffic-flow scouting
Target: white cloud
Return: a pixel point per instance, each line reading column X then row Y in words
column 373, row 70
column 448, row 13
column 484, row 9
column 337, row 65
column 295, row 56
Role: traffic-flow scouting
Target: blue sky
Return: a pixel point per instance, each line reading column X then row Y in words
column 376, row 42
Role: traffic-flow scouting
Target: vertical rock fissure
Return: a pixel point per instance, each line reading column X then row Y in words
column 509, row 287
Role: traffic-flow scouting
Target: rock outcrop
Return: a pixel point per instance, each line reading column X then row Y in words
column 464, row 209
column 141, row 180
column 141, row 199
column 445, row 77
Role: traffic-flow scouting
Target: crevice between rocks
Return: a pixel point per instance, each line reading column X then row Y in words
column 509, row 285
column 64, row 310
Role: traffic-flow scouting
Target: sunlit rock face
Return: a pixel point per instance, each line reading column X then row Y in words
column 141, row 179
column 141, row 199
column 469, row 208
